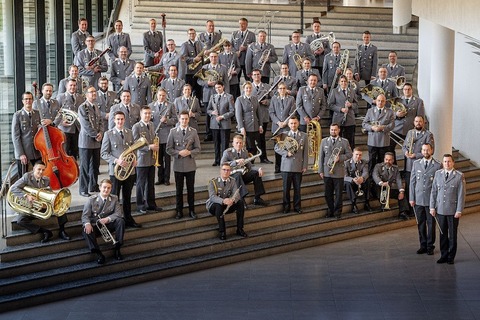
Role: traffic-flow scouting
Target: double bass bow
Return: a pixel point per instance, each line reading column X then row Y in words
column 61, row 168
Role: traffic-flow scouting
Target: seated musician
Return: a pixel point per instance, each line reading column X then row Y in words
column 106, row 208
column 355, row 181
column 237, row 157
column 224, row 197
column 37, row 180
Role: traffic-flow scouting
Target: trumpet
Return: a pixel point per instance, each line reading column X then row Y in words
column 122, row 173
column 385, row 196
column 156, row 141
column 332, row 160
column 104, row 232
column 298, row 61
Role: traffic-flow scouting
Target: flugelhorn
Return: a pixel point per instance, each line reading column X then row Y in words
column 128, row 155
column 359, row 192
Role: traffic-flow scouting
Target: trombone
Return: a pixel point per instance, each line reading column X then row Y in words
column 385, row 196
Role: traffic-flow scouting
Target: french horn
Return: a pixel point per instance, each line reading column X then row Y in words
column 208, row 75
column 68, row 116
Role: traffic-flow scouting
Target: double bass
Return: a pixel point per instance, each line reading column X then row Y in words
column 163, row 49
column 61, row 168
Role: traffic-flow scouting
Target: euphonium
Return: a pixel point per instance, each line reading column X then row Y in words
column 264, row 58
column 208, row 75
column 331, row 162
column 385, row 196
column 68, row 116
column 47, row 202
column 122, row 173
column 298, row 61
column 314, row 133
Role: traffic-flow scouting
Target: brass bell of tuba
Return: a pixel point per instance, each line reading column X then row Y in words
column 314, row 134
column 122, row 173
column 208, row 75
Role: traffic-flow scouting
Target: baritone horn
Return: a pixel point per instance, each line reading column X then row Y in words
column 314, row 134
column 128, row 155
column 385, row 196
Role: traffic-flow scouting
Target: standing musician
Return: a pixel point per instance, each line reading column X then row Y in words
column 183, row 145
column 421, row 180
column 164, row 118
column 114, row 143
column 210, row 37
column 388, row 86
column 89, row 143
column 121, row 69
column 366, row 59
column 247, row 114
column 446, row 203
column 229, row 59
column 296, row 48
column 72, row 74
column 352, row 83
column 117, row 40
column 190, row 51
column 240, row 40
column 386, row 175
column 321, row 52
column 105, row 100
column 237, row 158
column 290, row 82
column 37, row 180
column 190, row 104
column 145, row 162
column 106, row 208
column 139, row 86
column 221, row 109
column 259, row 53
column 356, row 179
column 334, row 151
column 223, row 196
column 311, row 102
column 173, row 85
column 79, row 37
column 343, row 102
column 152, row 43
column 281, row 107
column 302, row 75
column 25, row 124
column 82, row 59
column 131, row 111
column 46, row 106
column 171, row 58
column 331, row 67
column 393, row 68
column 294, row 164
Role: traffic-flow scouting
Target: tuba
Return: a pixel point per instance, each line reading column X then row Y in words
column 208, row 75
column 46, row 204
column 318, row 43
column 314, row 134
column 128, row 155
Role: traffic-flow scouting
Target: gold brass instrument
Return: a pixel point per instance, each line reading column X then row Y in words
column 397, row 106
column 194, row 65
column 286, row 121
column 343, row 65
column 385, row 196
column 156, row 141
column 243, row 169
column 372, row 123
column 298, row 61
column 318, row 43
column 359, row 192
column 46, row 204
column 372, row 91
column 410, row 145
column 205, row 59
column 399, row 81
column 332, row 160
column 208, row 75
column 104, row 232
column 68, row 116
column 264, row 58
column 129, row 156
column 155, row 78
column 314, row 134
column 286, row 143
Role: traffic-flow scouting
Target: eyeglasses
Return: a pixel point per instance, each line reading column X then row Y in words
column 92, row 91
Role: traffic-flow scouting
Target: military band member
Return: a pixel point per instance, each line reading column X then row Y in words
column 152, row 43
column 25, row 124
column 387, row 174
column 356, row 179
column 322, row 51
column 311, row 102
column 296, row 48
column 129, row 109
column 394, row 70
column 240, row 40
column 183, row 145
column 378, row 123
column 331, row 66
column 190, row 104
column 302, row 75
column 173, row 85
column 37, row 180
column 247, row 114
column 72, row 75
column 46, row 106
column 229, row 59
column 105, row 100
column 421, row 180
column 343, row 102
column 139, row 86
column 210, row 37
column 89, row 143
column 171, row 58
column 366, row 60
column 332, row 168
column 117, row 40
column 222, row 194
column 236, row 157
column 388, row 86
column 106, row 208
column 82, row 59
column 190, row 51
column 447, row 201
column 259, row 89
column 114, row 143
column 352, row 83
column 294, row 164
column 260, row 51
column 79, row 36
column 164, row 117
column 290, row 82
column 221, row 110
column 121, row 69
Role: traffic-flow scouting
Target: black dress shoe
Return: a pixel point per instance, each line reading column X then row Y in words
column 403, row 216
column 367, row 207
column 222, row 236
column 430, row 252
column 450, row 262
column 242, row 233
column 167, row 183
column 100, row 258
column 158, row 183
column 299, row 211
column 133, row 225
column 117, row 254
column 286, row 210
column 193, row 215
column 63, row 235
column 266, row 161
column 260, row 202
column 207, row 139
column 442, row 260
column 214, row 164
column 355, row 209
column 85, row 194
column 47, row 235
column 155, row 209
column 422, row 251
column 179, row 215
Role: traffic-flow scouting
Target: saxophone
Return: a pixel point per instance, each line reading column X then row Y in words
column 128, row 155
column 243, row 169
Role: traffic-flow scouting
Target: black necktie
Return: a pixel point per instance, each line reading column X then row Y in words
column 306, row 72
column 224, row 183
column 261, row 46
column 173, row 83
column 238, row 155
column 294, row 135
column 333, row 140
column 121, row 134
column 48, row 104
column 138, row 79
column 426, row 165
column 318, row 36
column 38, row 182
column 188, row 102
column 30, row 116
column 407, row 100
column 446, row 177
column 210, row 38
column 183, row 131
column 103, row 205
column 344, row 92
column 296, row 47
column 72, row 97
column 170, row 55
column 148, row 128
column 383, row 83
column 366, row 47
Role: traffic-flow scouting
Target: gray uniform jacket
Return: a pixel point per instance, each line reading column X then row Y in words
column 94, row 209
column 230, row 155
column 448, row 197
column 91, row 124
column 351, row 170
column 384, row 117
column 302, row 77
column 415, row 108
column 113, row 145
column 181, row 104
column 207, row 90
column 247, row 114
column 318, row 61
column 290, row 50
column 189, row 51
column 167, row 109
column 382, row 174
column 225, row 107
column 177, row 142
column 217, row 191
column 310, row 103
column 105, row 101
column 226, row 60
column 171, row 59
column 119, row 71
column 70, row 102
column 421, row 181
column 28, row 179
column 116, row 41
column 209, row 41
column 330, row 66
column 419, row 138
column 238, row 40
column 152, row 43
column 299, row 160
column 132, row 116
column 389, row 87
column 62, row 86
column 394, row 71
column 24, row 129
column 78, row 41
column 291, row 84
column 336, row 101
column 174, row 90
column 258, row 91
column 368, row 61
column 326, row 148
column 144, row 154
column 253, row 55
column 46, row 111
column 280, row 110
column 140, row 88
column 82, row 59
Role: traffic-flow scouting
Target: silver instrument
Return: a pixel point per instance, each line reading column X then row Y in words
column 343, row 65
column 399, row 81
column 104, row 232
column 385, row 196
column 359, row 192
column 318, row 43
column 68, row 116
column 264, row 58
column 243, row 169
column 331, row 162
column 288, row 118
column 231, row 69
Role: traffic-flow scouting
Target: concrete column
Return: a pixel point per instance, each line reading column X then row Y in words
column 424, row 61
column 440, row 111
column 8, row 46
column 402, row 15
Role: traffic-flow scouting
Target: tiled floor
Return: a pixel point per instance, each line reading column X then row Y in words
column 374, row 277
